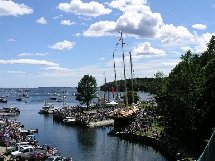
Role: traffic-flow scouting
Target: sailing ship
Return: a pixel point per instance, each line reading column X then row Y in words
column 125, row 114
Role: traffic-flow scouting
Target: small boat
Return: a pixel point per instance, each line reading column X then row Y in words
column 3, row 100
column 59, row 100
column 25, row 94
column 69, row 120
column 111, row 103
column 52, row 98
column 19, row 98
column 47, row 109
column 9, row 111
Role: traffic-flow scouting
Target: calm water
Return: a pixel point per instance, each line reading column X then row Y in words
column 82, row 144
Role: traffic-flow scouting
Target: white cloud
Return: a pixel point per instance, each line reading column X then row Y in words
column 32, row 54
column 67, row 22
column 16, row 72
column 199, row 26
column 42, row 20
column 185, row 48
column 9, row 8
column 137, row 20
column 171, row 63
column 174, row 35
column 29, row 62
column 126, row 5
column 201, row 42
column 101, row 28
column 85, row 18
column 57, row 17
column 146, row 49
column 58, row 72
column 63, row 45
column 77, row 34
column 139, row 23
column 87, row 9
column 11, row 40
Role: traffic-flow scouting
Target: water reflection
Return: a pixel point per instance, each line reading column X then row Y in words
column 86, row 138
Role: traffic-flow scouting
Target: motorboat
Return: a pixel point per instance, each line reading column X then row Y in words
column 10, row 110
column 19, row 98
column 3, row 100
column 111, row 103
column 47, row 109
column 69, row 120
column 53, row 98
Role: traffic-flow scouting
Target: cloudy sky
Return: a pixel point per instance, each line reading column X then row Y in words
column 55, row 43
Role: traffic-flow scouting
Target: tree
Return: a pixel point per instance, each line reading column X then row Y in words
column 207, row 110
column 86, row 90
column 129, row 95
column 158, row 83
column 183, row 90
column 209, row 54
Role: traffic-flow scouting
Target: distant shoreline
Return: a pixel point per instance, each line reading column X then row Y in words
column 31, row 87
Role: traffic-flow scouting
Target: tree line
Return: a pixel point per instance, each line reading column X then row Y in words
column 140, row 84
column 186, row 98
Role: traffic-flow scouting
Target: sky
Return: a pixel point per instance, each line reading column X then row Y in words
column 55, row 43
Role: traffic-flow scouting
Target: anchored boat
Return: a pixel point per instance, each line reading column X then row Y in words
column 47, row 109
column 3, row 99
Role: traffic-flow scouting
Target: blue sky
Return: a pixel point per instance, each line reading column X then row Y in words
column 55, row 43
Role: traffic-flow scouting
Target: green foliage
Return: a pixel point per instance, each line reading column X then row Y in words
column 188, row 95
column 208, row 97
column 86, row 90
column 209, row 54
column 158, row 84
column 130, row 99
column 140, row 84
column 183, row 88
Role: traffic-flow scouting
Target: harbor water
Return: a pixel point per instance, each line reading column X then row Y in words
column 80, row 143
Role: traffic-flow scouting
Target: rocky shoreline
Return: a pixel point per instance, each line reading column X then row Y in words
column 148, row 141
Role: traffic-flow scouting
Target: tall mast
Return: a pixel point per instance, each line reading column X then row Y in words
column 132, row 79
column 105, row 86
column 123, row 59
column 114, row 65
